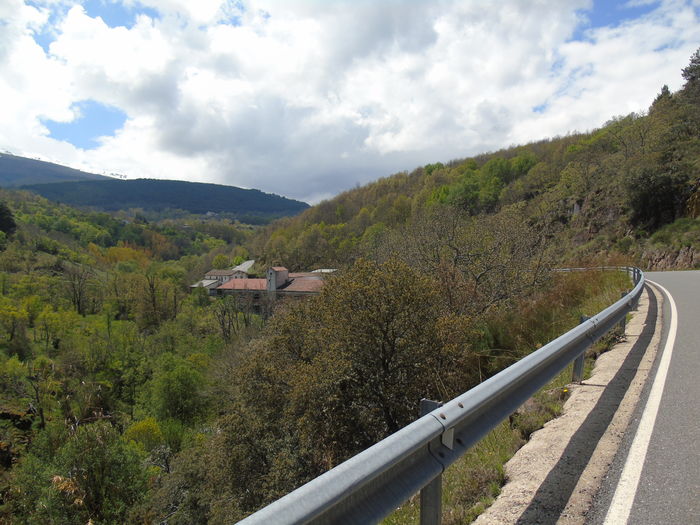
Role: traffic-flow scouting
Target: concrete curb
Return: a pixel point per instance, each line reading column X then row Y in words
column 555, row 476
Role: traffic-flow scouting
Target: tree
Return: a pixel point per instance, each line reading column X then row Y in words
column 481, row 262
column 691, row 74
column 12, row 318
column 221, row 262
column 234, row 314
column 95, row 477
column 158, row 297
column 177, row 393
column 664, row 97
column 7, row 220
column 363, row 354
column 382, row 347
column 656, row 196
column 79, row 282
column 44, row 386
column 146, row 433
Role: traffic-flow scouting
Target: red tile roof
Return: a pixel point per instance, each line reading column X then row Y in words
column 244, row 284
column 220, row 272
column 304, row 286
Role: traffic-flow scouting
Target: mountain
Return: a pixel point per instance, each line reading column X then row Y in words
column 18, row 171
column 160, row 195
column 78, row 188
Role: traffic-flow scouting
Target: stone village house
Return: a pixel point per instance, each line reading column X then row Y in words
column 279, row 282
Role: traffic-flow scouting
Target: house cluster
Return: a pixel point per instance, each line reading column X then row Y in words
column 278, row 282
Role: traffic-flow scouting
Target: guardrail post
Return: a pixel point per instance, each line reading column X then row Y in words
column 431, row 494
column 577, row 375
column 623, row 321
column 637, row 277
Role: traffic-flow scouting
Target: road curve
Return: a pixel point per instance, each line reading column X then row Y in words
column 657, row 477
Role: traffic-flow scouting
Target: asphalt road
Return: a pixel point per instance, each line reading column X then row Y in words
column 655, row 478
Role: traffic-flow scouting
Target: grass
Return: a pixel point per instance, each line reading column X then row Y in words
column 682, row 232
column 472, row 483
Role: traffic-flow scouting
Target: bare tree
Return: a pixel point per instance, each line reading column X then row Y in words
column 480, row 261
column 78, row 278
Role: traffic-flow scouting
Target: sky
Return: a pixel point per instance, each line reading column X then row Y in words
column 308, row 98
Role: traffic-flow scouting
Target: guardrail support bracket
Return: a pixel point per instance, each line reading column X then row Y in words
column 448, row 438
column 431, row 494
column 577, row 375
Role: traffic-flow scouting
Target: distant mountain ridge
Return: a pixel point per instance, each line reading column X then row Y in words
column 159, row 195
column 78, row 188
column 19, row 171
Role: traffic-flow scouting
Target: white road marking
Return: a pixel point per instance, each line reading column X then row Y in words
column 622, row 501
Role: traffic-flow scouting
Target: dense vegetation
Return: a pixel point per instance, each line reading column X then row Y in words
column 126, row 398
column 252, row 206
column 98, row 338
column 18, row 171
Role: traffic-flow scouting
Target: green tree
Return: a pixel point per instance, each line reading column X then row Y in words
column 691, row 74
column 178, row 393
column 7, row 220
column 221, row 262
column 656, row 196
column 363, row 354
column 146, row 433
column 95, row 477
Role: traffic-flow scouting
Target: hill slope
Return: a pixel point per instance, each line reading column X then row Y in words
column 629, row 190
column 17, row 171
column 160, row 195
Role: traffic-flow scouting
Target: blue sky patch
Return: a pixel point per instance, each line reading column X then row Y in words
column 44, row 39
column 612, row 13
column 112, row 12
column 116, row 14
column 47, row 34
column 95, row 120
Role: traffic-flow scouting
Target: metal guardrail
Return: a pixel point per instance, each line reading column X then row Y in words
column 369, row 486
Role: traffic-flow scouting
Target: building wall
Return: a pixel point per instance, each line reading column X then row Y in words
column 276, row 277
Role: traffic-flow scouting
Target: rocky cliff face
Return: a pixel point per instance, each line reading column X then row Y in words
column 685, row 258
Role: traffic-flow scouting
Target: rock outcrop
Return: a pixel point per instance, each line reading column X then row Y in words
column 685, row 258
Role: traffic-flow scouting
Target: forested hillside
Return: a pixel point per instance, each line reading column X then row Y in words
column 126, row 397
column 251, row 206
column 628, row 189
column 100, row 339
column 18, row 171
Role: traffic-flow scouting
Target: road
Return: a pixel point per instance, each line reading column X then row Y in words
column 655, row 478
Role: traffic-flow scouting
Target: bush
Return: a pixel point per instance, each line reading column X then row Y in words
column 95, row 477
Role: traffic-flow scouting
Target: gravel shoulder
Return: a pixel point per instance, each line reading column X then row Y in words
column 555, row 476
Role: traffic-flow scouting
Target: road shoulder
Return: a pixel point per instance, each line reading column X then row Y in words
column 555, row 476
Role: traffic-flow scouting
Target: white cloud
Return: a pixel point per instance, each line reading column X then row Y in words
column 308, row 97
column 32, row 85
